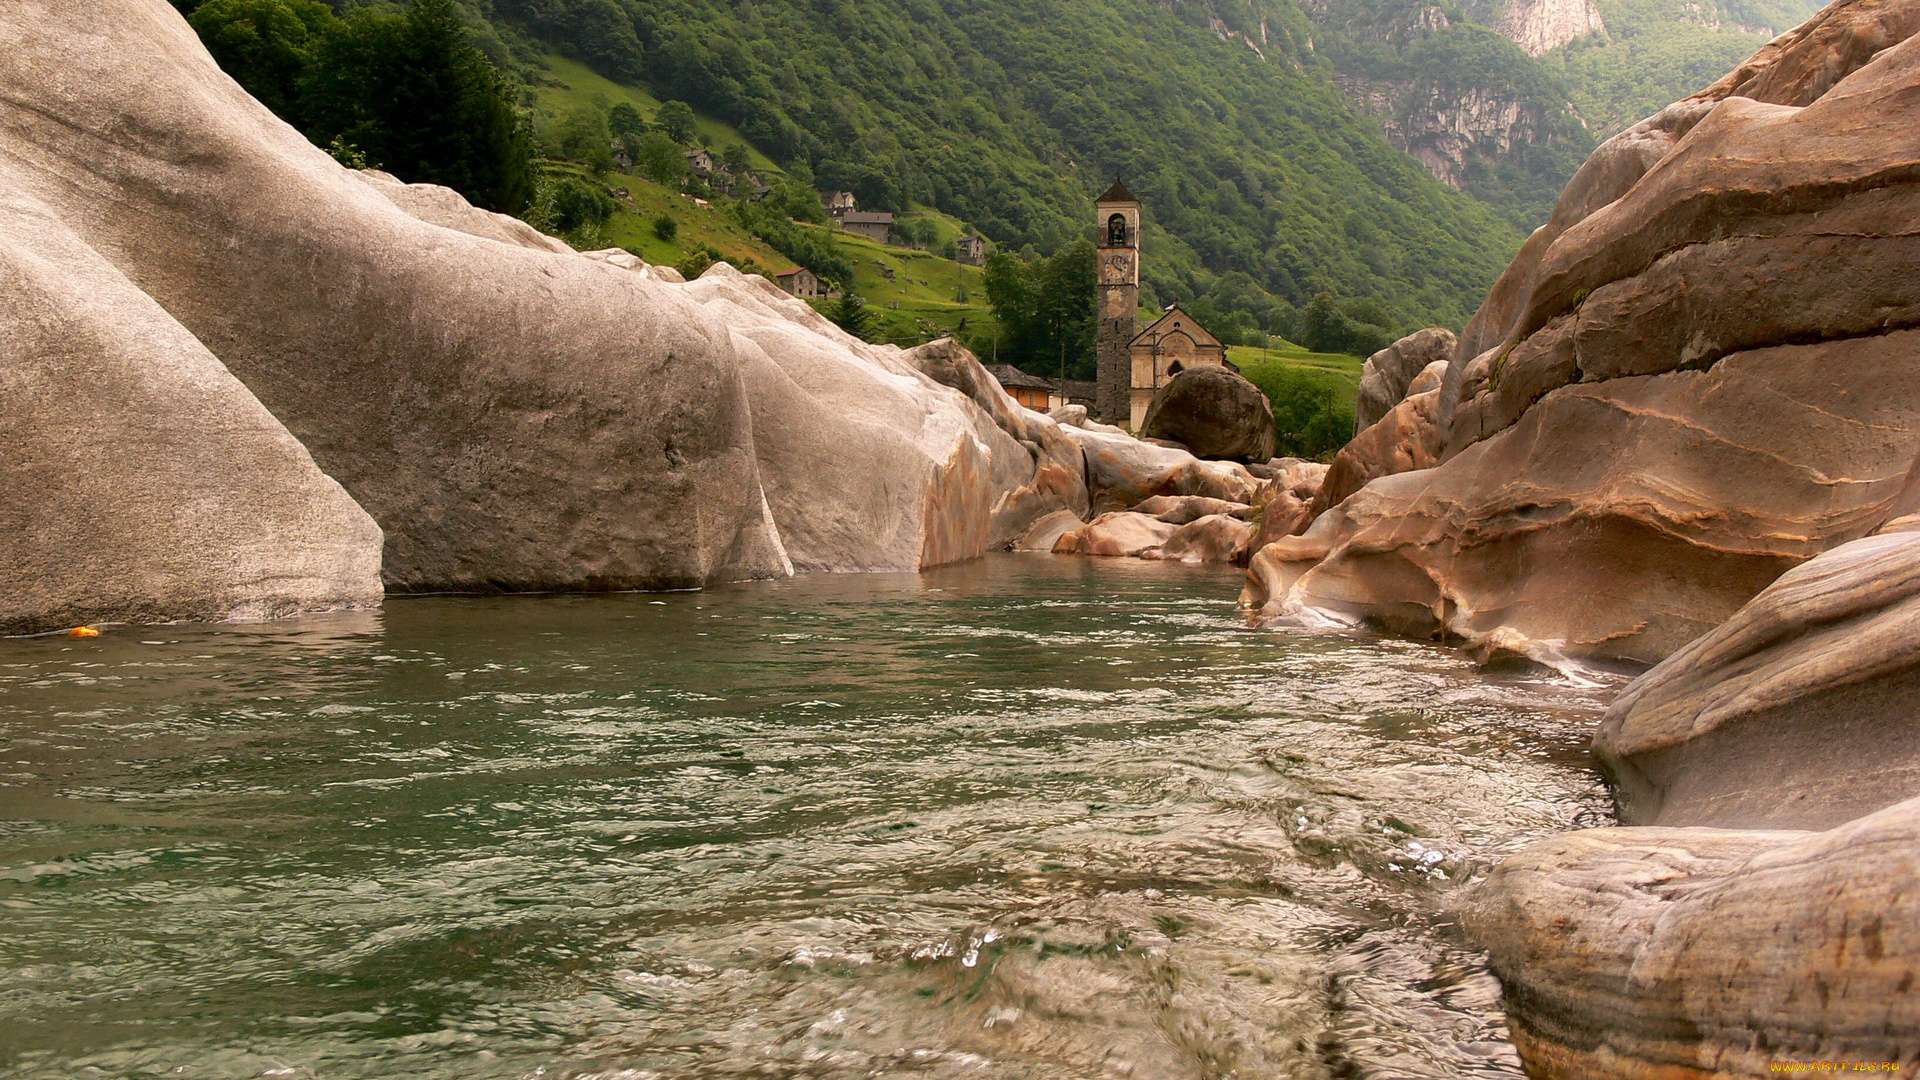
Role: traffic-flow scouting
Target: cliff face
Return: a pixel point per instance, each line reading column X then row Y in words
column 1539, row 26
column 1464, row 101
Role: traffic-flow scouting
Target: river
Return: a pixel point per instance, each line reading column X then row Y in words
column 1027, row 817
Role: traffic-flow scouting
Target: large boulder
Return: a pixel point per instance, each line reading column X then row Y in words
column 1798, row 712
column 1699, row 374
column 514, row 418
column 1116, row 534
column 139, row 480
column 1180, row 509
column 1405, row 439
column 1697, row 953
column 1216, row 538
column 1387, row 374
column 1213, row 411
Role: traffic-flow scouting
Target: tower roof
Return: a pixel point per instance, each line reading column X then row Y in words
column 1117, row 193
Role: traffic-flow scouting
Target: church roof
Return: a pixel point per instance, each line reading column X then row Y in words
column 1175, row 321
column 1117, row 193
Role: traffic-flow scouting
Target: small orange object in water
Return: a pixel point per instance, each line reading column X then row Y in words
column 83, row 631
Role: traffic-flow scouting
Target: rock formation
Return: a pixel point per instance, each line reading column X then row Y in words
column 1116, row 534
column 1708, row 953
column 1540, row 26
column 1797, row 713
column 139, row 480
column 1387, row 374
column 1213, row 411
column 1697, row 375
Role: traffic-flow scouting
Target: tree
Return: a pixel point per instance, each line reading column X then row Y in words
column 409, row 90
column 1327, row 326
column 575, row 209
column 850, row 313
column 676, row 119
column 265, row 45
column 735, row 158
column 628, row 129
column 661, row 159
column 1045, row 309
column 665, row 227
column 582, row 136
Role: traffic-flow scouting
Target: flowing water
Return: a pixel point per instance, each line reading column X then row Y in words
column 1028, row 817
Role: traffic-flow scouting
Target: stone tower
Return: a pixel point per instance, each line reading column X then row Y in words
column 1117, row 299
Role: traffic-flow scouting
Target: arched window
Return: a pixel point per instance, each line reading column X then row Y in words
column 1117, row 231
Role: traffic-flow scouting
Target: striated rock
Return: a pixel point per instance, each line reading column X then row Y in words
column 1407, row 438
column 1388, row 373
column 1215, row 538
column 1697, row 375
column 1214, row 412
column 1180, row 509
column 1795, row 713
column 1661, row 952
column 446, row 208
column 1116, row 534
column 1621, row 519
column 1801, row 65
column 1121, row 471
column 1540, row 26
column 514, row 418
column 139, row 480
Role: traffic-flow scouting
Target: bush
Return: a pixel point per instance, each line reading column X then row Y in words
column 1309, row 420
column 573, row 209
column 665, row 227
column 697, row 261
column 850, row 313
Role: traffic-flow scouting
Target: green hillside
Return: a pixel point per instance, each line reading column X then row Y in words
column 1009, row 115
column 1658, row 51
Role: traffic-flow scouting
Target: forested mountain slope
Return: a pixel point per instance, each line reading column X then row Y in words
column 1263, row 186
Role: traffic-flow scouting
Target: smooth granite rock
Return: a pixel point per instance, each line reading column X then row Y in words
column 1121, row 471
column 514, row 418
column 1214, row 412
column 1216, row 538
column 1115, row 535
column 1703, row 954
column 1045, row 534
column 1385, row 378
column 1798, row 712
column 139, row 480
column 1180, row 509
column 1406, row 438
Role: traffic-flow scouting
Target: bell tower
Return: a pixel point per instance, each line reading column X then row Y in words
column 1116, row 300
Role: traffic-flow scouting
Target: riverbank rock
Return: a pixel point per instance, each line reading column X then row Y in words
column 1214, row 412
column 514, row 418
column 1180, row 509
column 1045, row 534
column 1698, row 375
column 1663, row 952
column 1121, row 471
column 1284, row 504
column 139, row 480
column 1118, row 534
column 1406, row 439
column 1387, row 374
column 1216, row 538
column 1795, row 713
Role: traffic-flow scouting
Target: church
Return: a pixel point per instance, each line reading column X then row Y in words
column 1133, row 363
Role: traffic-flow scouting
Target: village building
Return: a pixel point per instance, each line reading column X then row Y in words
column 1116, row 300
column 970, row 250
column 874, row 225
column 801, row 282
column 1033, row 391
column 838, row 203
column 700, row 162
column 1172, row 344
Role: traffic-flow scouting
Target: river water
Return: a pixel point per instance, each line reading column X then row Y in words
column 1028, row 817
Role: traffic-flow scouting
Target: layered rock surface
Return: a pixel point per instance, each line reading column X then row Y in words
column 1697, row 375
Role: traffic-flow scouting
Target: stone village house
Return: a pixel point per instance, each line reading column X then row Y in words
column 801, row 282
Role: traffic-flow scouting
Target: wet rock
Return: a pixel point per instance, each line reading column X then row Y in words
column 1215, row 538
column 1116, row 534
column 1697, row 952
column 1214, row 412
column 1285, row 503
column 1385, row 379
column 1795, row 713
column 139, row 480
column 1180, row 509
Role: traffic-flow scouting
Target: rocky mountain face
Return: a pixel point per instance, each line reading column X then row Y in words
column 1462, row 99
column 1684, row 430
column 1539, row 26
